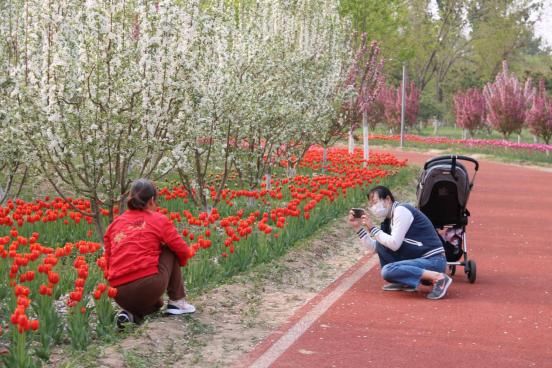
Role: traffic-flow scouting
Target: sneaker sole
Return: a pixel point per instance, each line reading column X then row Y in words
column 404, row 290
column 178, row 312
column 408, row 289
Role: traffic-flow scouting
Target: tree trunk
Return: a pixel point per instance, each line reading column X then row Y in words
column 324, row 159
column 365, row 139
column 291, row 170
column 268, row 179
column 351, row 141
column 439, row 91
column 97, row 220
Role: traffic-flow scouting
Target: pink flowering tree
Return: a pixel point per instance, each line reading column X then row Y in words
column 412, row 104
column 392, row 100
column 364, row 79
column 539, row 117
column 391, row 111
column 469, row 108
column 507, row 102
column 376, row 114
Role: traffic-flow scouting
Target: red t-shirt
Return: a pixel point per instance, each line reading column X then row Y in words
column 133, row 244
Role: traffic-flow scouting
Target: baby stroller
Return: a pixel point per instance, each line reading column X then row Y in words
column 442, row 195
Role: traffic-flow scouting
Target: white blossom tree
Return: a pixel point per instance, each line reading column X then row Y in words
column 13, row 168
column 259, row 91
column 97, row 92
column 306, row 48
column 103, row 92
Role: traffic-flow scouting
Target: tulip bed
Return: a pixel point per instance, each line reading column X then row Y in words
column 537, row 153
column 52, row 285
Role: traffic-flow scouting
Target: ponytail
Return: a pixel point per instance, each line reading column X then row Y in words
column 141, row 191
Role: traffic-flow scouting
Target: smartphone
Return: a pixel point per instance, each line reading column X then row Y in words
column 358, row 212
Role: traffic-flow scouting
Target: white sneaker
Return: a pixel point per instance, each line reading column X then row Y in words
column 177, row 307
column 123, row 318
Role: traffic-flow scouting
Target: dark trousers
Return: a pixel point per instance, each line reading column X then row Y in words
column 145, row 296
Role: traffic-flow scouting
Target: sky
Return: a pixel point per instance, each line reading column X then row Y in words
column 543, row 28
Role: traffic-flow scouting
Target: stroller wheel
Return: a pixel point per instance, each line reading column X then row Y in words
column 471, row 271
column 452, row 270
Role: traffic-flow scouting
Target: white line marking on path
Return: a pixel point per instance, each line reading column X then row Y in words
column 298, row 329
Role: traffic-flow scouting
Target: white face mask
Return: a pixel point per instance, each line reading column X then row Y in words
column 379, row 210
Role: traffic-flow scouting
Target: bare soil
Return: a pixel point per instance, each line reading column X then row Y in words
column 231, row 319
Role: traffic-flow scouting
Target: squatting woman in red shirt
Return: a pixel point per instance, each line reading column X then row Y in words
column 144, row 253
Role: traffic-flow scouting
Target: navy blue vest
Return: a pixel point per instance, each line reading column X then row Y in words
column 421, row 239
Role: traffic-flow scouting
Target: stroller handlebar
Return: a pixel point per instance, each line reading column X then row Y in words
column 453, row 158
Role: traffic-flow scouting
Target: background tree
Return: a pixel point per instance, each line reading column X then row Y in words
column 376, row 114
column 438, row 35
column 507, row 102
column 392, row 101
column 382, row 21
column 362, row 84
column 495, row 31
column 454, row 45
column 501, row 30
column 469, row 108
column 539, row 117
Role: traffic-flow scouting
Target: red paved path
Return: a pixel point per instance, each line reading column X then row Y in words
column 503, row 320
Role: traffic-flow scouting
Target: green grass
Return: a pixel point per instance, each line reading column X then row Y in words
column 519, row 156
column 512, row 155
column 454, row 132
column 457, row 133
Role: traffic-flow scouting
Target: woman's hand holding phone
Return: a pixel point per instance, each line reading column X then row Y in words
column 358, row 218
column 358, row 212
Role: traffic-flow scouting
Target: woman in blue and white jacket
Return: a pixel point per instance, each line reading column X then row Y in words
column 409, row 249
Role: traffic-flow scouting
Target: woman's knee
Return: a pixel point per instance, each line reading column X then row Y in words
column 388, row 270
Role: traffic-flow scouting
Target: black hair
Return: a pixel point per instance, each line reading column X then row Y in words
column 383, row 192
column 141, row 191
